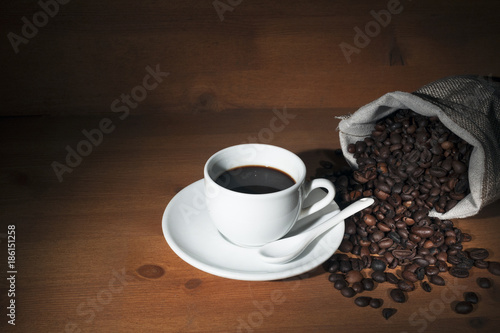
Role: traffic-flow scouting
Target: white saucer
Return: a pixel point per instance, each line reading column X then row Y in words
column 192, row 236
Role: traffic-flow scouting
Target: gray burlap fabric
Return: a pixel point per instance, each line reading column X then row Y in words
column 469, row 106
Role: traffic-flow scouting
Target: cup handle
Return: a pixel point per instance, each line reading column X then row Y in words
column 314, row 184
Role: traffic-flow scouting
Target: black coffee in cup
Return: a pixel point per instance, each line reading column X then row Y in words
column 255, row 179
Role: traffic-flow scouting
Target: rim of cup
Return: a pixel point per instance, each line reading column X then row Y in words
column 298, row 178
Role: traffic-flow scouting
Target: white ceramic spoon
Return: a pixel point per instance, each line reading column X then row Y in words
column 286, row 249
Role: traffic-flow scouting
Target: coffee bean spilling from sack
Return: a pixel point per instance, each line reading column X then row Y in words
column 410, row 164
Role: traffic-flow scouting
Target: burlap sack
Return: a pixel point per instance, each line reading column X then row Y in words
column 467, row 105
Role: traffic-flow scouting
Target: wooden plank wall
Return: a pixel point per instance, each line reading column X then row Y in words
column 253, row 54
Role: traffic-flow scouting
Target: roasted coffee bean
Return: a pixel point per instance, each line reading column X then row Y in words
column 410, row 276
column 389, row 257
column 453, row 259
column 362, row 301
column 345, row 246
column 353, row 276
column 345, row 266
column 428, row 244
column 360, row 177
column 388, row 222
column 423, row 252
column 394, row 200
column 397, row 295
column 335, row 277
column 459, row 272
column 374, row 248
column 376, row 303
column 458, row 248
column 393, row 264
column 478, row 254
column 471, row 297
column 420, row 214
column 377, row 236
column 334, row 257
column 446, row 145
column 434, row 192
column 402, row 232
column 420, row 273
column 357, row 287
column 340, row 284
column 396, row 238
column 423, row 231
column 437, row 280
column 431, row 270
column 388, row 312
column 391, row 278
column 449, row 205
column 385, row 243
column 405, row 285
column 381, row 194
column 461, row 187
column 402, row 254
column 421, row 262
column 350, row 228
column 370, row 220
column 367, row 261
column 442, row 256
column 395, row 137
column 466, row 263
column 340, row 256
column 431, row 259
column 360, row 146
column 426, row 286
column 347, row 292
column 364, row 252
column 484, row 283
column 378, row 265
column 334, row 266
column 463, row 307
column 368, row 284
column 438, row 172
column 481, row 264
column 378, row 276
column 409, row 221
column 384, row 187
column 357, row 264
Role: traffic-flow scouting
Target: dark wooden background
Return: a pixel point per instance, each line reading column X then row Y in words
column 262, row 54
column 102, row 220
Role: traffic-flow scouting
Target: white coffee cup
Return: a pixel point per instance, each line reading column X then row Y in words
column 256, row 219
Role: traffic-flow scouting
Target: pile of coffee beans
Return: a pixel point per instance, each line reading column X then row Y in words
column 410, row 164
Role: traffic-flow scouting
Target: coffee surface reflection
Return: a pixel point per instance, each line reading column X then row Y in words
column 255, row 179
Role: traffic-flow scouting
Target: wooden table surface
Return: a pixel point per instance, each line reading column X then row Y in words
column 90, row 255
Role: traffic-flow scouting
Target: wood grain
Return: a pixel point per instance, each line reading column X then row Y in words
column 90, row 252
column 261, row 55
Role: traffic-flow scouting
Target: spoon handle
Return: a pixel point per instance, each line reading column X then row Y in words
column 344, row 213
column 286, row 249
